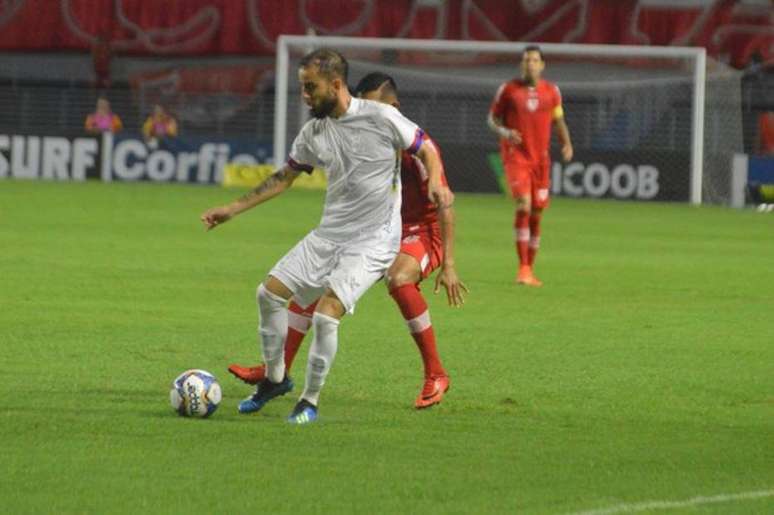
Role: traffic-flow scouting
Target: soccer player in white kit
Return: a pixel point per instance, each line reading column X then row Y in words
column 358, row 143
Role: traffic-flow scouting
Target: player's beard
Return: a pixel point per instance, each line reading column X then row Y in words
column 324, row 108
column 530, row 78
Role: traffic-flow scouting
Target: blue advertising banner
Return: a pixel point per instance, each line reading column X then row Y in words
column 760, row 170
column 187, row 159
column 55, row 158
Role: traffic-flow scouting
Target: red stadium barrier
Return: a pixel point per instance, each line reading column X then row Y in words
column 731, row 30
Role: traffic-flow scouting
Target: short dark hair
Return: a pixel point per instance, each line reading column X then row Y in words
column 374, row 81
column 533, row 48
column 330, row 64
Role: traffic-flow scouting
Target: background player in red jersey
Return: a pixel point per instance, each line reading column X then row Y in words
column 427, row 243
column 521, row 115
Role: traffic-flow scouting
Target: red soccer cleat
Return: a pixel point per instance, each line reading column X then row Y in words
column 432, row 391
column 250, row 375
column 526, row 277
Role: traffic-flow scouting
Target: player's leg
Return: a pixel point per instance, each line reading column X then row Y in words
column 322, row 352
column 540, row 200
column 272, row 297
column 403, row 278
column 299, row 273
column 527, row 277
column 299, row 322
column 359, row 265
column 520, row 183
column 534, row 234
column 521, row 232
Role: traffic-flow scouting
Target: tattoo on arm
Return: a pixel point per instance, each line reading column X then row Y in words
column 279, row 177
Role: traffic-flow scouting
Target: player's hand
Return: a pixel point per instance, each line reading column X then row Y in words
column 567, row 153
column 454, row 287
column 514, row 136
column 216, row 216
column 440, row 195
column 450, row 198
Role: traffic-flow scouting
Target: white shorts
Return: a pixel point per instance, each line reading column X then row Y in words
column 348, row 269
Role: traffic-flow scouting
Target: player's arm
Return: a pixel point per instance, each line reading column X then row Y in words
column 274, row 185
column 496, row 115
column 563, row 132
column 439, row 194
column 497, row 126
column 447, row 276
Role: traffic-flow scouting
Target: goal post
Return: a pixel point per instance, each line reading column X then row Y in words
column 650, row 93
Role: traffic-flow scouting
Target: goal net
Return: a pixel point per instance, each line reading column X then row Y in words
column 647, row 123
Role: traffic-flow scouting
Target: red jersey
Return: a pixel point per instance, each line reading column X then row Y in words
column 416, row 209
column 529, row 110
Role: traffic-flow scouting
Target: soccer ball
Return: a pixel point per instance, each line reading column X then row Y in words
column 195, row 393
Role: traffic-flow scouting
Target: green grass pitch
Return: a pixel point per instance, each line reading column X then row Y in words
column 642, row 371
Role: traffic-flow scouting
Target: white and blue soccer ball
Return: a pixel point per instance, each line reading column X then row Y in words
column 195, row 393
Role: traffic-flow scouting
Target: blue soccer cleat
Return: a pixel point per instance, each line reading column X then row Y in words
column 304, row 413
column 265, row 392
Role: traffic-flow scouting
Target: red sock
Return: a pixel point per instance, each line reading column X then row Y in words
column 521, row 233
column 299, row 321
column 534, row 240
column 414, row 309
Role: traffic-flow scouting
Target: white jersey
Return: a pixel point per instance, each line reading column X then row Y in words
column 360, row 153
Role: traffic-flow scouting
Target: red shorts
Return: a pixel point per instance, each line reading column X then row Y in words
column 424, row 245
column 529, row 180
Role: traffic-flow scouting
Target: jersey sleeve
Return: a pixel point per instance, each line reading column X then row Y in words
column 302, row 157
column 558, row 111
column 406, row 135
column 499, row 104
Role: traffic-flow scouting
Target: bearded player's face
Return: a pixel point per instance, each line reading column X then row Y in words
column 318, row 92
column 532, row 66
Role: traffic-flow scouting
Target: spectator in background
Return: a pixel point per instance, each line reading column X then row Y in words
column 159, row 125
column 766, row 133
column 103, row 119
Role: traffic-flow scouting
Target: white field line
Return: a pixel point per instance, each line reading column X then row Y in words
column 667, row 505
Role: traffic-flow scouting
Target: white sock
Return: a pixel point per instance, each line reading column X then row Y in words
column 273, row 328
column 321, row 354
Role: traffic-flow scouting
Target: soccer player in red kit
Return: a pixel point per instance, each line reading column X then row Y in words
column 427, row 243
column 521, row 115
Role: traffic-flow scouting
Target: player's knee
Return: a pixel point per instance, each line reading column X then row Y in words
column 271, row 288
column 330, row 305
column 404, row 270
column 267, row 298
column 398, row 278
